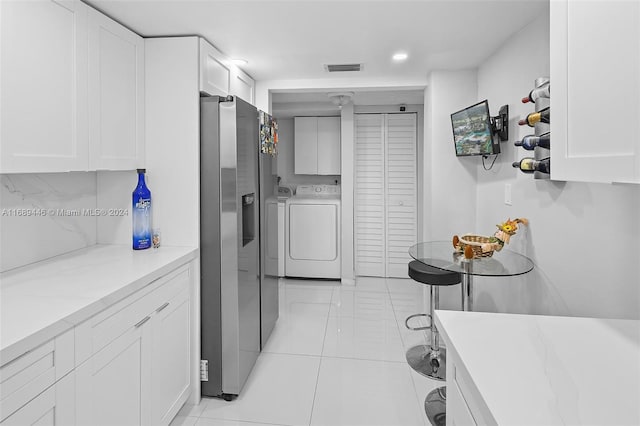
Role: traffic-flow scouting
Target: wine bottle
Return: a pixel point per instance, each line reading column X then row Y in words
column 529, row 142
column 543, row 116
column 530, row 165
column 141, row 199
column 543, row 91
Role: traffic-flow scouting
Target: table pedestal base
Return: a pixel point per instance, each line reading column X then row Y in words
column 467, row 287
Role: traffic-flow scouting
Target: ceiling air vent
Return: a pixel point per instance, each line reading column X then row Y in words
column 343, row 67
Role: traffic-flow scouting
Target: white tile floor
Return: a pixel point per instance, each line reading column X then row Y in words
column 336, row 357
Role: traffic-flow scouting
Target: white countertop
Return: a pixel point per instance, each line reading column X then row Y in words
column 543, row 370
column 42, row 300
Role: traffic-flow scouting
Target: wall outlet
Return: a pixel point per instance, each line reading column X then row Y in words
column 507, row 194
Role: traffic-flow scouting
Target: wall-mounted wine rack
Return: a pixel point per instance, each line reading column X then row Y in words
column 541, row 96
column 540, row 128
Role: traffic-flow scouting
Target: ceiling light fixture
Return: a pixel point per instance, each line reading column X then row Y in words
column 239, row 62
column 400, row 56
column 340, row 98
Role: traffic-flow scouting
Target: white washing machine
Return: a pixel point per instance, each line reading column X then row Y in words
column 312, row 232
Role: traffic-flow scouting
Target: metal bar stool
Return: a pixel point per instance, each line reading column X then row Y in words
column 430, row 360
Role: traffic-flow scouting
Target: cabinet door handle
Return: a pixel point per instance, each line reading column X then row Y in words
column 142, row 321
column 162, row 307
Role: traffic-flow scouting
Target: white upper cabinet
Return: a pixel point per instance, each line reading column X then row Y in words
column 72, row 89
column 317, row 145
column 241, row 85
column 595, row 74
column 328, row 145
column 219, row 76
column 306, row 145
column 44, row 86
column 215, row 71
column 116, row 95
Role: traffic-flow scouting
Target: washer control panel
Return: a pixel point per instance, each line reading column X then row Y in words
column 318, row 190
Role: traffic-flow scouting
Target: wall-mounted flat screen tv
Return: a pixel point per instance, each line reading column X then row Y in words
column 472, row 131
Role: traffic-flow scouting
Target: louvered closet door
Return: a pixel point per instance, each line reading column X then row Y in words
column 369, row 195
column 385, row 201
column 400, row 189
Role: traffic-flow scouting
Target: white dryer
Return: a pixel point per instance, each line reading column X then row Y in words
column 312, row 232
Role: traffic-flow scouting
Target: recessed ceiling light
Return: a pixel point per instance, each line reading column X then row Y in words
column 400, row 56
column 239, row 62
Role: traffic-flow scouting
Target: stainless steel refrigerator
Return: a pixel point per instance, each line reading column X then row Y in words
column 237, row 297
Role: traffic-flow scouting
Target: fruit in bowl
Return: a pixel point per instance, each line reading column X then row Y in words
column 474, row 246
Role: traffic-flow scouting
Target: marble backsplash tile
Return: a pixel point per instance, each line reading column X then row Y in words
column 114, row 195
column 45, row 215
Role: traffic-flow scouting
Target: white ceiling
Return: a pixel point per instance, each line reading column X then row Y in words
column 294, row 39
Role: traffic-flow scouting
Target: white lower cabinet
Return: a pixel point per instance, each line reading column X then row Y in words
column 145, row 371
column 458, row 413
column 36, row 382
column 114, row 377
column 170, row 363
column 54, row 406
column 464, row 405
column 127, row 365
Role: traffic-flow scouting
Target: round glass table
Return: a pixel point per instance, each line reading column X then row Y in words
column 442, row 255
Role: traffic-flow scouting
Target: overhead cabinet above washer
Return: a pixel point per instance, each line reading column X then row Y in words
column 317, row 145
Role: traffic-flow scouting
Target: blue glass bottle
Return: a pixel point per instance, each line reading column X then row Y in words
column 141, row 199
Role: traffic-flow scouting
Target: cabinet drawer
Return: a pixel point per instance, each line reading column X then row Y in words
column 458, row 413
column 27, row 376
column 468, row 395
column 40, row 410
column 171, row 285
column 97, row 332
column 54, row 406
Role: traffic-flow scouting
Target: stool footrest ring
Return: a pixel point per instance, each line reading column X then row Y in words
column 410, row 317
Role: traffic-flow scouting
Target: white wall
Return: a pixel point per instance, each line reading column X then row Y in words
column 450, row 181
column 581, row 237
column 347, row 159
column 333, row 83
column 172, row 100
